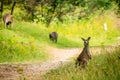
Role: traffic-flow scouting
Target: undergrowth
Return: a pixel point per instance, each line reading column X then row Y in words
column 105, row 66
column 27, row 41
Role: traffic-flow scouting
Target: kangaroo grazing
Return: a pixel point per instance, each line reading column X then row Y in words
column 8, row 19
column 83, row 58
column 53, row 36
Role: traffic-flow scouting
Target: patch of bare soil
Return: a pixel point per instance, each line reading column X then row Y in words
column 34, row 71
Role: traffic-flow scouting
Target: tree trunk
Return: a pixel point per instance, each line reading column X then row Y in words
column 54, row 5
column 13, row 7
column 1, row 8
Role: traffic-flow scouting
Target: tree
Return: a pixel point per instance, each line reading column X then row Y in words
column 14, row 3
column 1, row 8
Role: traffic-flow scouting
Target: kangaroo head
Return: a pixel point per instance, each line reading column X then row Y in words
column 86, row 41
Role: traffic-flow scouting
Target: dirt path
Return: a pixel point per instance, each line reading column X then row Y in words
column 18, row 71
column 33, row 71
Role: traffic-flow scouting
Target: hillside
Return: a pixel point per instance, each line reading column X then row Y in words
column 27, row 41
column 27, row 53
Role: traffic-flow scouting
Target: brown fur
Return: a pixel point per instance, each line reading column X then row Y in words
column 83, row 58
column 53, row 36
column 8, row 19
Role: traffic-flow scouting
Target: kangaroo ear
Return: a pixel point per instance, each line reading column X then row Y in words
column 89, row 38
column 83, row 39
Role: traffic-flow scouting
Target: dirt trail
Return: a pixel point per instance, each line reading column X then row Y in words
column 18, row 71
column 33, row 71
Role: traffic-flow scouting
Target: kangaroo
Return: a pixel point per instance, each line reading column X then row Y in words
column 8, row 19
column 83, row 58
column 53, row 36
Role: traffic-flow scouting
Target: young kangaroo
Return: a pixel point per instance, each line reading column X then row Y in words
column 83, row 58
column 53, row 36
column 8, row 19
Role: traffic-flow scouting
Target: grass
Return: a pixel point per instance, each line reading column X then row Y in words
column 15, row 47
column 27, row 41
column 105, row 66
column 72, row 32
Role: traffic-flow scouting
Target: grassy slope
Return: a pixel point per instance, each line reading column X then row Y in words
column 22, row 43
column 27, row 41
column 105, row 66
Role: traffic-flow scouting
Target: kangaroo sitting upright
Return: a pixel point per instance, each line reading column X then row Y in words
column 83, row 58
column 8, row 19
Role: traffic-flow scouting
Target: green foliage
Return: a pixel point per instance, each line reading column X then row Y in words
column 93, row 27
column 27, row 41
column 20, row 47
column 37, row 10
column 105, row 66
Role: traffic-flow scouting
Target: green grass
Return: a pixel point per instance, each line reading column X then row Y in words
column 71, row 33
column 105, row 66
column 16, row 47
column 27, row 41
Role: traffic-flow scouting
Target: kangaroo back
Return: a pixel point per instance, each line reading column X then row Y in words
column 8, row 19
column 53, row 36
